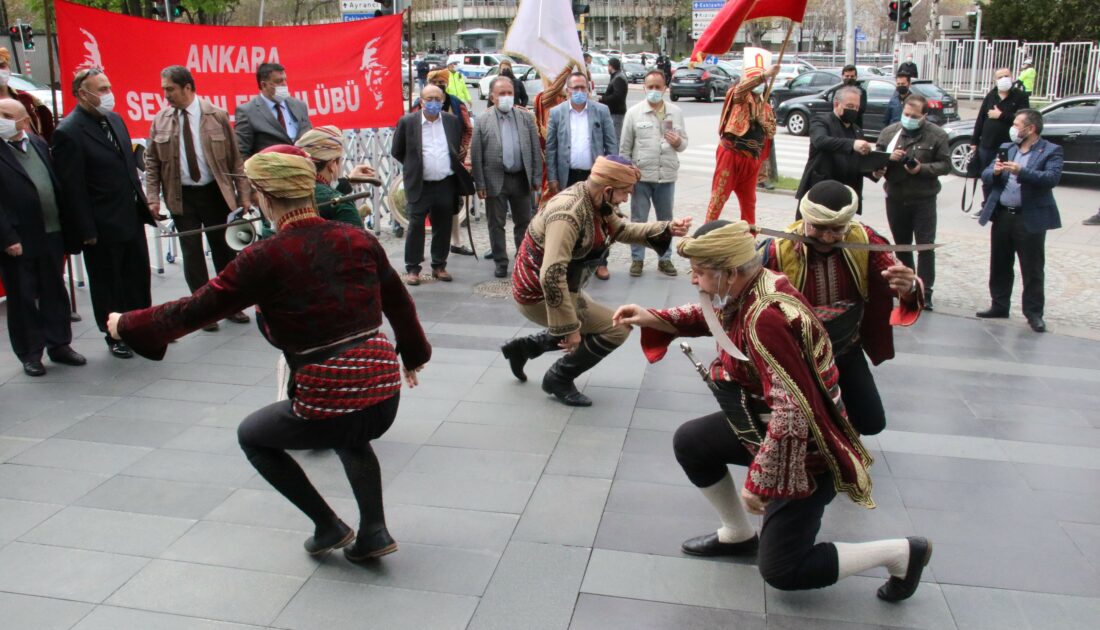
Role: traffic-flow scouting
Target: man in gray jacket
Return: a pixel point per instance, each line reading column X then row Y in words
column 507, row 165
column 919, row 154
column 653, row 134
column 271, row 117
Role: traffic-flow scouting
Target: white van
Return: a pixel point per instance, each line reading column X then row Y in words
column 473, row 66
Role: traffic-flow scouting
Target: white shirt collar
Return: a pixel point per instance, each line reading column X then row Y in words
column 194, row 110
column 573, row 110
column 270, row 103
column 424, row 119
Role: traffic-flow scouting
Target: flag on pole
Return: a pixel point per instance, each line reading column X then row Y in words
column 718, row 38
column 545, row 33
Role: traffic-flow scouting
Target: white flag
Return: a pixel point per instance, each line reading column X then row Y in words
column 545, row 33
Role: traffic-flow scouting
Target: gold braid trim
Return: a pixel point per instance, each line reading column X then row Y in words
column 791, row 257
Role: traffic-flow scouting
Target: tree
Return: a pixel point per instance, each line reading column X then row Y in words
column 1041, row 20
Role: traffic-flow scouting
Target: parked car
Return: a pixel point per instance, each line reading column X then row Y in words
column 795, row 113
column 635, row 72
column 704, row 82
column 1073, row 122
column 805, row 84
column 601, row 75
column 532, row 82
column 789, row 71
column 39, row 90
column 865, row 72
column 473, row 66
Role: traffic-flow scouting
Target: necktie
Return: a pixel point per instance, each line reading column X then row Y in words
column 189, row 149
column 106, row 127
column 279, row 115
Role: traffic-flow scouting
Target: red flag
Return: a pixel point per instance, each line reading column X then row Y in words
column 718, row 38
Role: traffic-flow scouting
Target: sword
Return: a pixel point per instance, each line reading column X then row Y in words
column 214, row 228
column 685, row 347
column 870, row 247
column 470, row 229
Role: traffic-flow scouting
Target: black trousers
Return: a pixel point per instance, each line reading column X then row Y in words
column 438, row 201
column 914, row 219
column 38, row 304
column 268, row 433
column 517, row 194
column 118, row 277
column 985, row 157
column 1009, row 240
column 789, row 558
column 203, row 206
column 859, row 393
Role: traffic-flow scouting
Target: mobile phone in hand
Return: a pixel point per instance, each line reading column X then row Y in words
column 668, row 125
column 1002, row 155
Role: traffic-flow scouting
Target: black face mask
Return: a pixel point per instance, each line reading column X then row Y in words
column 849, row 116
column 903, row 90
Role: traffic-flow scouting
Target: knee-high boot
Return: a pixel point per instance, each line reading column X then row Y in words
column 558, row 380
column 520, row 350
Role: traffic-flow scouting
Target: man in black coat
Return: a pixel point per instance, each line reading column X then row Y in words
column 31, row 245
column 100, row 188
column 995, row 118
column 615, row 96
column 426, row 143
column 836, row 144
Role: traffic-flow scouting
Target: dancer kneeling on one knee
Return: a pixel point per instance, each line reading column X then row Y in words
column 782, row 417
column 320, row 290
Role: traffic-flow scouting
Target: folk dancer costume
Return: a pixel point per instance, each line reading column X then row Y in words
column 747, row 124
column 321, row 289
column 847, row 289
column 325, row 144
column 41, row 119
column 548, row 99
column 564, row 243
column 783, row 418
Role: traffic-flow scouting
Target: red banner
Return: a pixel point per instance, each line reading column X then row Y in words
column 349, row 73
column 717, row 39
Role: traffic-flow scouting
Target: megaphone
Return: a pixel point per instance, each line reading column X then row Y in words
column 241, row 233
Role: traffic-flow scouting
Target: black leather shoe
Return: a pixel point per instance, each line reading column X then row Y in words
column 992, row 313
column 897, row 589
column 66, row 356
column 120, row 350
column 1037, row 324
column 488, row 255
column 928, row 305
column 318, row 544
column 211, row 328
column 501, row 270
column 709, row 545
column 34, row 368
column 371, row 546
column 565, row 391
column 461, row 250
column 239, row 318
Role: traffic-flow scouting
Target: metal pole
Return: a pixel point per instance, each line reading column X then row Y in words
column 609, row 23
column 849, row 32
column 50, row 61
column 977, row 42
column 261, row 20
column 168, row 11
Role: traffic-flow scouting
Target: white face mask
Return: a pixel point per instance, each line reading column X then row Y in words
column 282, row 93
column 1004, row 84
column 1014, row 135
column 5, row 74
column 106, row 103
column 717, row 301
column 504, row 103
column 8, row 129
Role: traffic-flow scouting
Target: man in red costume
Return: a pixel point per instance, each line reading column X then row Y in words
column 747, row 123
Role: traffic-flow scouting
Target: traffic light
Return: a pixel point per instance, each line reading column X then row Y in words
column 905, row 15
column 177, row 9
column 893, row 6
column 28, row 37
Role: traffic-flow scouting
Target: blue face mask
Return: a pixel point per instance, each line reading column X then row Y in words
column 910, row 124
column 579, row 98
column 433, row 107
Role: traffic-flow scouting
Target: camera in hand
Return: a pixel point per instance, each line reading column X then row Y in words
column 910, row 162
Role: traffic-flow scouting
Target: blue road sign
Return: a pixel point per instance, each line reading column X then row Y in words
column 351, row 17
column 707, row 5
column 711, row 59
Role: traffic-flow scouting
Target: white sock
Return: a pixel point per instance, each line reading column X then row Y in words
column 726, row 500
column 856, row 557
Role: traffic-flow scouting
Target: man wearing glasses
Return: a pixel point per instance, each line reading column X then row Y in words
column 851, row 290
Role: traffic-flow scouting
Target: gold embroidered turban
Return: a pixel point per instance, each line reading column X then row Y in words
column 721, row 244
column 322, row 143
column 282, row 171
column 615, row 171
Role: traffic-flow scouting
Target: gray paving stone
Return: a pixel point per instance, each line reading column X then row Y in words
column 632, row 497
column 110, row 531
column 126, row 431
column 24, row 612
column 1044, row 477
column 515, row 439
column 587, row 451
column 206, row 439
column 1087, row 538
column 160, row 410
column 114, row 618
column 656, row 420
column 93, row 457
column 410, row 431
column 611, row 407
column 19, row 517
column 659, row 534
column 784, row 622
column 189, row 391
column 218, row 593
column 73, row 574
column 424, row 409
column 511, row 415
column 245, row 358
column 254, row 397
column 997, row 609
column 662, row 468
column 328, row 604
column 12, row 446
column 470, row 494
column 47, row 485
column 243, row 547
column 595, row 612
column 267, row 508
column 447, row 527
column 419, row 567
column 535, row 587
column 688, row 405
column 209, row 468
column 1025, row 569
column 689, row 581
column 958, row 497
column 477, row 464
column 853, row 600
column 953, row 469
column 156, row 496
column 564, row 511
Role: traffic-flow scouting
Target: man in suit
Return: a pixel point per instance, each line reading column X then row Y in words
column 31, row 245
column 1022, row 207
column 271, row 117
column 836, row 143
column 579, row 132
column 426, row 144
column 101, row 189
column 507, row 166
column 191, row 157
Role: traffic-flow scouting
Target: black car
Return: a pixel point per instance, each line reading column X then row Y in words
column 634, row 72
column 805, row 84
column 436, row 61
column 795, row 114
column 1073, row 123
column 704, row 83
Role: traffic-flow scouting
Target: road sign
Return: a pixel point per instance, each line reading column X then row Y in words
column 702, row 14
column 711, row 59
column 359, row 6
column 861, row 36
column 352, row 17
